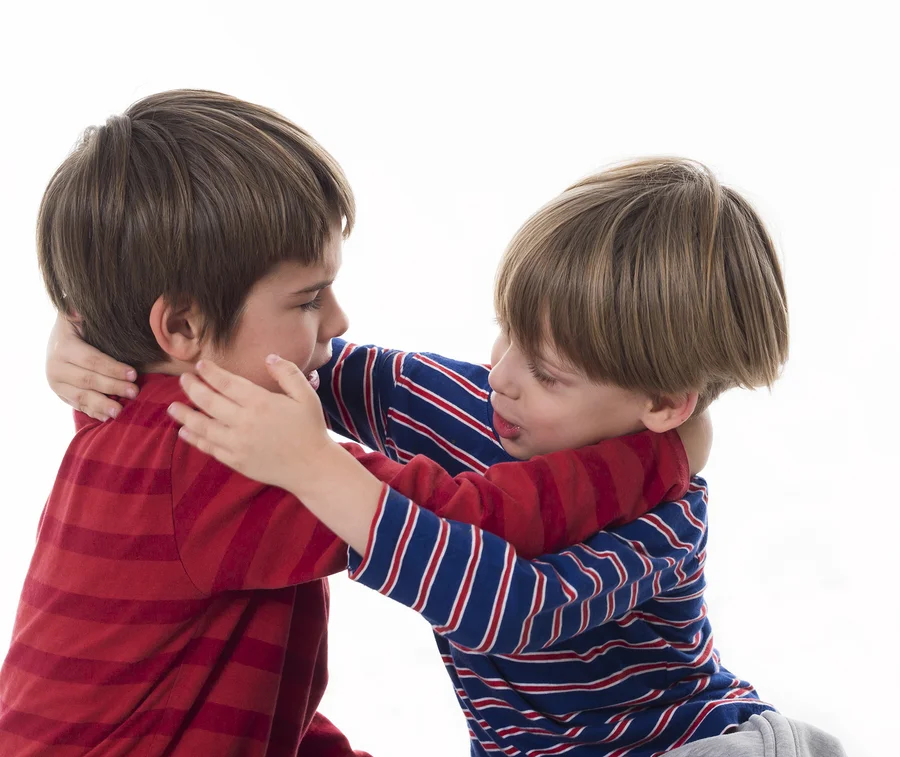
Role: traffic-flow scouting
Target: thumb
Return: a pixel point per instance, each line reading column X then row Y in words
column 289, row 377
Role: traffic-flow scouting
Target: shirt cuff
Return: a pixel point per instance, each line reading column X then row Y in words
column 391, row 522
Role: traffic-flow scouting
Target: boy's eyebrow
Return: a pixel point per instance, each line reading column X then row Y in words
column 314, row 288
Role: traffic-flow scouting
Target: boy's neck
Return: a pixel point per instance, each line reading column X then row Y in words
column 169, row 367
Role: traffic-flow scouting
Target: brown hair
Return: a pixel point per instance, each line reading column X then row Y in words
column 189, row 194
column 652, row 276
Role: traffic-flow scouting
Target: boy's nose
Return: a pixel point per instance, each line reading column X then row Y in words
column 337, row 323
column 500, row 380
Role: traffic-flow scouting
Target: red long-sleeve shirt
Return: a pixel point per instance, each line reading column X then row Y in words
column 173, row 606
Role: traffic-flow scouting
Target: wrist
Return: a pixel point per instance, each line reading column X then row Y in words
column 341, row 493
column 315, row 470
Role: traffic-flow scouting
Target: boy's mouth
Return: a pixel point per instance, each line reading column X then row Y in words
column 504, row 428
column 313, row 375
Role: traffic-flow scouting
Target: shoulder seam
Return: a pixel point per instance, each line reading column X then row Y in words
column 174, row 528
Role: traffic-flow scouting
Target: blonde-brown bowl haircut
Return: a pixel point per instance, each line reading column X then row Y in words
column 651, row 276
column 189, row 194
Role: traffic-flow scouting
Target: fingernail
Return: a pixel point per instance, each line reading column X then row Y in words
column 113, row 412
column 131, row 375
column 200, row 365
column 183, row 432
column 103, row 418
column 171, row 409
column 272, row 359
column 131, row 392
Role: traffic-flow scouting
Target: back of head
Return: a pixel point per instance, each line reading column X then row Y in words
column 191, row 195
column 652, row 276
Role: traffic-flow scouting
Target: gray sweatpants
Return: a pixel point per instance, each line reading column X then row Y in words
column 768, row 735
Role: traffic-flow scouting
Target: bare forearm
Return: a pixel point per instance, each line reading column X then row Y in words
column 340, row 493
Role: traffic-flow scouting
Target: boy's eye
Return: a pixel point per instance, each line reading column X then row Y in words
column 542, row 377
column 313, row 304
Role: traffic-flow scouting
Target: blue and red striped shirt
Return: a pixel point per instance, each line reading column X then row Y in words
column 603, row 648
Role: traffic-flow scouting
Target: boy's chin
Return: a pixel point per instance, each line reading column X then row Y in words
column 514, row 448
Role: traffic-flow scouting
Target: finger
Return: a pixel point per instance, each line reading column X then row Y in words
column 106, row 366
column 236, row 388
column 87, row 357
column 209, row 400
column 97, row 406
column 202, row 427
column 81, row 378
column 289, row 378
column 204, row 445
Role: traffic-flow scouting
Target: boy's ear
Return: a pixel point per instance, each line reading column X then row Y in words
column 669, row 411
column 177, row 329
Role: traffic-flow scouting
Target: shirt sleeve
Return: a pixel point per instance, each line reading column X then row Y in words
column 234, row 533
column 483, row 597
column 409, row 403
column 551, row 501
column 356, row 387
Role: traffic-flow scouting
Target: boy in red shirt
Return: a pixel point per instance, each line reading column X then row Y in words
column 171, row 604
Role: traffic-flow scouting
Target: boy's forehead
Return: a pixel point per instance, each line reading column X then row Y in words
column 292, row 276
column 296, row 276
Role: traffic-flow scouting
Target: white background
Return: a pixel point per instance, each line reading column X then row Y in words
column 455, row 121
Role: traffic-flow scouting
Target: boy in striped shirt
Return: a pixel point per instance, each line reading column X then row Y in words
column 173, row 606
column 629, row 302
